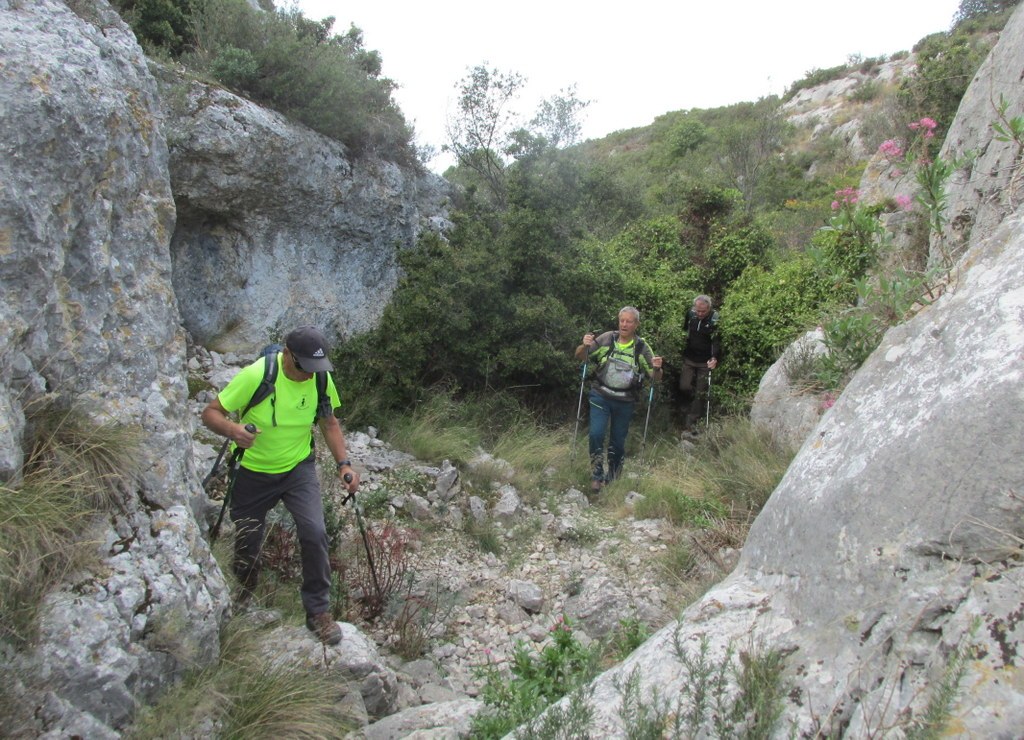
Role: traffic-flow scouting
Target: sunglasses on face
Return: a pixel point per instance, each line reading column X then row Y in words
column 295, row 361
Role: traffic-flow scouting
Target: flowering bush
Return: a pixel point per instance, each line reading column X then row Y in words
column 891, row 149
column 926, row 126
column 930, row 173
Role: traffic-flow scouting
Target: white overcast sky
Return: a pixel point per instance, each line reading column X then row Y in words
column 634, row 60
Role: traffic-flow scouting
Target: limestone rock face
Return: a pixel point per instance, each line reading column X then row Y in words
column 265, row 205
column 990, row 185
column 88, row 315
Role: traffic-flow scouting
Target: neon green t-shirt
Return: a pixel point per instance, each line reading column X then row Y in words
column 285, row 418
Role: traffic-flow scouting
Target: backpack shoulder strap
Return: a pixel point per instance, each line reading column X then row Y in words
column 266, row 386
column 323, row 399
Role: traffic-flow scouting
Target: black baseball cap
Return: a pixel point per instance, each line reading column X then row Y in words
column 310, row 348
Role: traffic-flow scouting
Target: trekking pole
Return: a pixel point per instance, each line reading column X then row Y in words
column 216, row 463
column 579, row 409
column 362, row 530
column 643, row 443
column 233, row 466
column 707, row 420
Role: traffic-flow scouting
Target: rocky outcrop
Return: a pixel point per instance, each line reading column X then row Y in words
column 990, row 184
column 831, row 110
column 265, row 205
column 88, row 316
column 782, row 406
column 887, row 564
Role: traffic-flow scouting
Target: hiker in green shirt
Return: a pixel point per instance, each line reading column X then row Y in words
column 279, row 465
column 622, row 360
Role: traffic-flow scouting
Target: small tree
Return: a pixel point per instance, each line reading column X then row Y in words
column 481, row 129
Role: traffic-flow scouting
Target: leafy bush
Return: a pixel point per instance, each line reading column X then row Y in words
column 536, row 682
column 763, row 311
column 285, row 61
column 946, row 63
column 160, row 25
column 850, row 338
column 235, row 67
column 866, row 91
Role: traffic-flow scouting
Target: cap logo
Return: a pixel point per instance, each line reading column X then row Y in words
column 319, row 352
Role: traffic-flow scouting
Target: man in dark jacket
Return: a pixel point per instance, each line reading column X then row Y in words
column 700, row 357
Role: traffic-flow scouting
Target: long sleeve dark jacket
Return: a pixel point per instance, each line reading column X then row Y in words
column 701, row 337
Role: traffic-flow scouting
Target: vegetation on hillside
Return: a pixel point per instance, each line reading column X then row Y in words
column 551, row 240
column 283, row 60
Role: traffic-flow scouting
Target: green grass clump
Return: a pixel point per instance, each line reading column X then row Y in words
column 537, row 680
column 75, row 469
column 730, row 475
column 246, row 695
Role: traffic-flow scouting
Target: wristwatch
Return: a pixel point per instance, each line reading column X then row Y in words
column 344, row 463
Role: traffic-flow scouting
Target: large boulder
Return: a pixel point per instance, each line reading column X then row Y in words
column 265, row 205
column 781, row 406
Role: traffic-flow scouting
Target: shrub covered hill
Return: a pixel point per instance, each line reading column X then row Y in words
column 183, row 181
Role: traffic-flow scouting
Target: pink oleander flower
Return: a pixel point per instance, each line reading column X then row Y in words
column 905, row 202
column 846, row 196
column 926, row 124
column 891, row 149
column 827, row 401
column 896, row 172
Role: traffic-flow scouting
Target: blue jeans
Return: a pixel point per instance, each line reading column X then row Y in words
column 605, row 412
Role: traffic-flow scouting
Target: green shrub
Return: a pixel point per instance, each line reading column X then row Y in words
column 763, row 311
column 946, row 63
column 536, row 681
column 850, row 338
column 866, row 91
column 296, row 66
column 160, row 24
column 235, row 67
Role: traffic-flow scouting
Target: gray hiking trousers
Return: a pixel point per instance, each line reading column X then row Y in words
column 254, row 496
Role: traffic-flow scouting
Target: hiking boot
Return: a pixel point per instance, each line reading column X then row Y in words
column 595, row 486
column 326, row 628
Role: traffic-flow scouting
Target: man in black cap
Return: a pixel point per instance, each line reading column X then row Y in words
column 278, row 465
column 700, row 357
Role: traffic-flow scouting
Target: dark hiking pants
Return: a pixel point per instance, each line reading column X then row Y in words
column 693, row 382
column 254, row 496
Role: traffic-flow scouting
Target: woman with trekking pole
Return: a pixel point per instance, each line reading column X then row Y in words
column 623, row 361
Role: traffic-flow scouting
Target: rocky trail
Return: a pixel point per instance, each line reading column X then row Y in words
column 483, row 572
